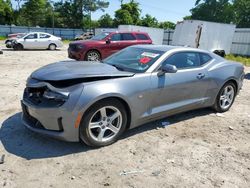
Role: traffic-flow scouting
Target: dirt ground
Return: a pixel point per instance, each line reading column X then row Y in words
column 197, row 149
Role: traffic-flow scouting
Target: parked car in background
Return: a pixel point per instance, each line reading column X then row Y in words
column 12, row 37
column 105, row 44
column 96, row 102
column 37, row 40
column 84, row 36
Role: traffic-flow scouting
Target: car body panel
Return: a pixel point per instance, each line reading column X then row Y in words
column 149, row 96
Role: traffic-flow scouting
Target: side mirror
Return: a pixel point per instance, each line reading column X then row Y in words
column 167, row 69
column 108, row 41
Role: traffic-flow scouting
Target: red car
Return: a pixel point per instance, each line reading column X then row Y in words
column 105, row 44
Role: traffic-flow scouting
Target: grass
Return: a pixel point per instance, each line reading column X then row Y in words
column 240, row 59
column 2, row 37
column 66, row 41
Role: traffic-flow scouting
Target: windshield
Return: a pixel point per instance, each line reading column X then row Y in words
column 134, row 59
column 21, row 35
column 100, row 36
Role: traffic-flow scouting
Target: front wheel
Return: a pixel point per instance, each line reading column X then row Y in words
column 18, row 47
column 93, row 55
column 103, row 123
column 225, row 98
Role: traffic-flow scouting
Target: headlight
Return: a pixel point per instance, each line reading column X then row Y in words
column 57, row 96
column 80, row 46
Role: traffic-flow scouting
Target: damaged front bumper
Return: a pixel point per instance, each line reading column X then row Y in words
column 49, row 117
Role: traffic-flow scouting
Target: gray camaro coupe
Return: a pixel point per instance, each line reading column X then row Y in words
column 95, row 102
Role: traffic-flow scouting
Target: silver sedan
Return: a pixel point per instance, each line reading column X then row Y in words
column 97, row 101
column 37, row 40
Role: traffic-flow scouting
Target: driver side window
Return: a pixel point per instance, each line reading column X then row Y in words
column 116, row 37
column 31, row 36
column 183, row 60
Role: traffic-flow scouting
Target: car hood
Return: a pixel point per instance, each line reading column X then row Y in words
column 86, row 42
column 69, row 70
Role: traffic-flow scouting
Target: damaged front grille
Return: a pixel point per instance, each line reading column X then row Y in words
column 43, row 96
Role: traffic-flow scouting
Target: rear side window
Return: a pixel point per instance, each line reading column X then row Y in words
column 116, row 37
column 141, row 37
column 44, row 36
column 128, row 36
column 184, row 60
column 204, row 58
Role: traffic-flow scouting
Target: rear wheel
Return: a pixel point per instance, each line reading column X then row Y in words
column 93, row 55
column 18, row 47
column 103, row 123
column 52, row 47
column 225, row 98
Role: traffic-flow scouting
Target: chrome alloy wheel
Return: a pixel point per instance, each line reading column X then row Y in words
column 105, row 124
column 227, row 97
column 93, row 56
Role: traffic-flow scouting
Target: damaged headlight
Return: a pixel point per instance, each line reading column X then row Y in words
column 57, row 96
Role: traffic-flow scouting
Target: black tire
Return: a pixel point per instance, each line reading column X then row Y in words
column 52, row 47
column 217, row 106
column 85, row 133
column 93, row 55
column 18, row 47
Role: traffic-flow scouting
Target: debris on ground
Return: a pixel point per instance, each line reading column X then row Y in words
column 72, row 177
column 231, row 128
column 124, row 172
column 170, row 161
column 106, row 184
column 220, row 115
column 156, row 173
column 2, row 159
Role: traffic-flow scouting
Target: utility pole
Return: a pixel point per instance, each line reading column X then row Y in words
column 53, row 15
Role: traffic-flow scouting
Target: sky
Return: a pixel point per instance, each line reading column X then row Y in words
column 163, row 10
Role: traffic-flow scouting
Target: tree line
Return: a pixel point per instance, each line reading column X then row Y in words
column 77, row 13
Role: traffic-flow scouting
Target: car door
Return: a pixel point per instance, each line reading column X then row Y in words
column 112, row 45
column 44, row 40
column 184, row 90
column 31, row 41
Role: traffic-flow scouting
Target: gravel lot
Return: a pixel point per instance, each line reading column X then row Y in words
column 197, row 149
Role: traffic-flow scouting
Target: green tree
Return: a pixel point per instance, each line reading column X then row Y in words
column 213, row 10
column 78, row 12
column 167, row 25
column 242, row 13
column 187, row 17
column 6, row 12
column 129, row 13
column 106, row 21
column 34, row 12
column 149, row 21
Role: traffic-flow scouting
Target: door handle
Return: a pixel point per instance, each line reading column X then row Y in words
column 200, row 76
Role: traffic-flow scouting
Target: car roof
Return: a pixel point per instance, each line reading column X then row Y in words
column 134, row 32
column 166, row 48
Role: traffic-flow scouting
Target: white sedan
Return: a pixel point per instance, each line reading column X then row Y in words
column 37, row 40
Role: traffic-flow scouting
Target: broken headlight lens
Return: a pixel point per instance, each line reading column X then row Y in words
column 57, row 96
